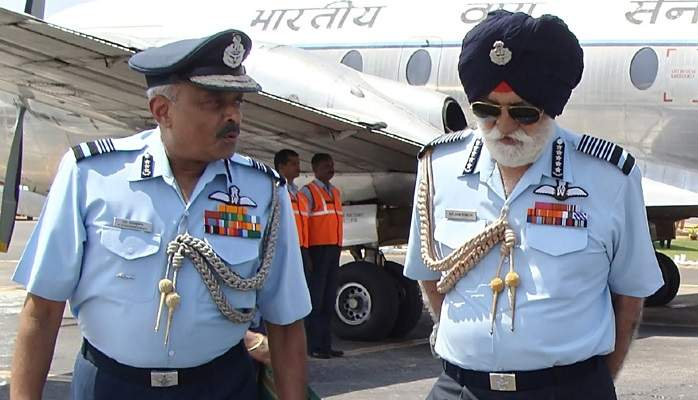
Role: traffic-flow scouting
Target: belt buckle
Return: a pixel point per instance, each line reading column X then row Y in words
column 164, row 378
column 502, row 382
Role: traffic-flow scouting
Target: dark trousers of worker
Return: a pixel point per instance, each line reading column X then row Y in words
column 322, row 284
column 233, row 379
column 594, row 382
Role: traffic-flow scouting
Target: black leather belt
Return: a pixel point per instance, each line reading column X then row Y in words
column 160, row 377
column 522, row 380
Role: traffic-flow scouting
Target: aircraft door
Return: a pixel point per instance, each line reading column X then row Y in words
column 681, row 78
column 420, row 59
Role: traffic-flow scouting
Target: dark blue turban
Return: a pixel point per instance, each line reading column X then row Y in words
column 539, row 58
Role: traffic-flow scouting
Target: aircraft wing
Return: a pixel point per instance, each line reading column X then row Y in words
column 66, row 77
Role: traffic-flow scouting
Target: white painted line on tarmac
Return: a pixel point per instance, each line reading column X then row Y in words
column 663, row 325
column 688, row 285
column 65, row 377
column 386, row 347
column 9, row 261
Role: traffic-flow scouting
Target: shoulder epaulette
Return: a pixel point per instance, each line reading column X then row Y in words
column 258, row 165
column 451, row 137
column 607, row 151
column 103, row 146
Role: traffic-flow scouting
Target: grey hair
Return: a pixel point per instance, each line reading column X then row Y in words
column 167, row 91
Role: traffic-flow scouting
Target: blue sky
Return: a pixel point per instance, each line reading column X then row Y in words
column 52, row 6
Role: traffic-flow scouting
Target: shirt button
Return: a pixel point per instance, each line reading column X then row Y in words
column 171, row 353
column 130, row 250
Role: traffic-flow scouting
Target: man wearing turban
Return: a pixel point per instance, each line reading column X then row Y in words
column 530, row 241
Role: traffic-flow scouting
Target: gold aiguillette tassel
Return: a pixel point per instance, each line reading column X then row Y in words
column 165, row 286
column 172, row 300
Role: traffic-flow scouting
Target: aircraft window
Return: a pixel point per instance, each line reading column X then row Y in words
column 419, row 68
column 354, row 60
column 643, row 68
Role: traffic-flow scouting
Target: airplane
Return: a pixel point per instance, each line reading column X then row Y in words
column 369, row 82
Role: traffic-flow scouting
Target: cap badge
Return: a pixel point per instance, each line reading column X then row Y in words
column 499, row 54
column 233, row 54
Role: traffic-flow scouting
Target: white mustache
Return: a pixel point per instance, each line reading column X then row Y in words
column 519, row 135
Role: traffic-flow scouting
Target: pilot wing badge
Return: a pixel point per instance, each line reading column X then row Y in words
column 233, row 197
column 562, row 191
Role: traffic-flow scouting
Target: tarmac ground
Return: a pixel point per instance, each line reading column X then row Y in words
column 662, row 364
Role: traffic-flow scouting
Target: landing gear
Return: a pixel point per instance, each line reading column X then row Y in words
column 672, row 281
column 366, row 304
column 410, row 303
column 374, row 300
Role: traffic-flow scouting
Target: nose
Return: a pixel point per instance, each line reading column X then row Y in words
column 505, row 123
column 232, row 112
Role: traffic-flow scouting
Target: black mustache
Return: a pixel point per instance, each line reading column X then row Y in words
column 230, row 127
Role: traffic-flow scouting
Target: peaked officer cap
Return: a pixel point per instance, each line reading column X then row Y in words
column 213, row 62
column 539, row 58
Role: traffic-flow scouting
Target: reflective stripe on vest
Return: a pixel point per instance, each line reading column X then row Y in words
column 300, row 205
column 326, row 218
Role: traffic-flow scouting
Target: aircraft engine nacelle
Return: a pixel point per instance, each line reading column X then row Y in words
column 415, row 114
column 438, row 109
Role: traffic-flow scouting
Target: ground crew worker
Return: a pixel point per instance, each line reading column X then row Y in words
column 166, row 243
column 550, row 312
column 325, row 245
column 288, row 164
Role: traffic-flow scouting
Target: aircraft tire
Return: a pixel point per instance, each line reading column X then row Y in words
column 410, row 301
column 672, row 281
column 366, row 304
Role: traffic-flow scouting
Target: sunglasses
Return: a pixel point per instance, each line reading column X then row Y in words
column 525, row 115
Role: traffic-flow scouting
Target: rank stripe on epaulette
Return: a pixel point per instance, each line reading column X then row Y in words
column 443, row 139
column 267, row 170
column 89, row 149
column 608, row 151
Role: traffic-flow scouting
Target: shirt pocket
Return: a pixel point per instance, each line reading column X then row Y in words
column 134, row 272
column 239, row 255
column 454, row 234
column 556, row 240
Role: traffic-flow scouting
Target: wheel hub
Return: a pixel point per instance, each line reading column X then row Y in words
column 353, row 305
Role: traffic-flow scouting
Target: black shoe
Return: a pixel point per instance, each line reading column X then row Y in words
column 320, row 354
column 336, row 353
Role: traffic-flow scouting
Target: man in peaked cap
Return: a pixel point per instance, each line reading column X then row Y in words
column 166, row 243
column 530, row 241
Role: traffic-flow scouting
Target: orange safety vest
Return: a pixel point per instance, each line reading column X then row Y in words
column 326, row 218
column 300, row 205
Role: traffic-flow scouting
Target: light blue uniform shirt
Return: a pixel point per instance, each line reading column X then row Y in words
column 110, row 274
column 563, row 304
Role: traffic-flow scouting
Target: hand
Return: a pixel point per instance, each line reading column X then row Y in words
column 258, row 347
column 432, row 340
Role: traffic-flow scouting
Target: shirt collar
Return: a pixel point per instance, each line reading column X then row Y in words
column 542, row 166
column 322, row 184
column 160, row 164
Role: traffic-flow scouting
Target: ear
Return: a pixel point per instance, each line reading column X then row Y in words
column 160, row 109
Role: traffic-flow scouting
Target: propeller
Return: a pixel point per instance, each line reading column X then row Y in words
column 13, row 174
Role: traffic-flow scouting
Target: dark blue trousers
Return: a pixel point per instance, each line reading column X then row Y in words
column 322, row 284
column 236, row 381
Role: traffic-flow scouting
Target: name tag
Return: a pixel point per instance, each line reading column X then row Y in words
column 133, row 225
column 461, row 215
